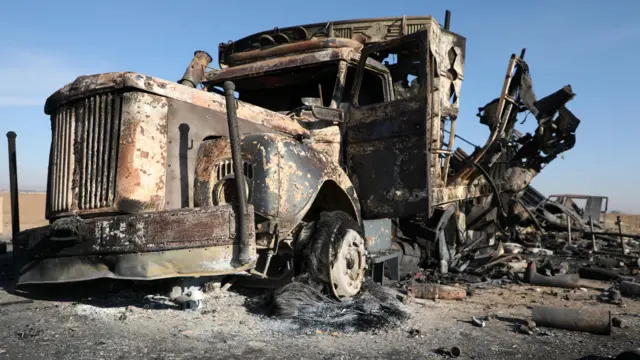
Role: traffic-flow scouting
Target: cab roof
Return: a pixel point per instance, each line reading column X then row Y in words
column 347, row 33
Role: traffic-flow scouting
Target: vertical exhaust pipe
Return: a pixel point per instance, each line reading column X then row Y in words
column 447, row 20
column 234, row 139
column 195, row 71
column 13, row 185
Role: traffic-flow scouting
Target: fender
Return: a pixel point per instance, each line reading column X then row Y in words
column 284, row 176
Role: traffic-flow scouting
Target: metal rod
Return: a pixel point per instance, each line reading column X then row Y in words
column 234, row 139
column 619, row 222
column 593, row 237
column 569, row 229
column 461, row 138
column 447, row 20
column 605, row 233
column 13, row 184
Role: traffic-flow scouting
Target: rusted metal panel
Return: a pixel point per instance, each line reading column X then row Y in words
column 194, row 242
column 279, row 63
column 451, row 193
column 142, row 154
column 152, row 231
column 208, row 261
column 387, row 120
column 91, row 84
column 328, row 140
column 378, row 234
column 273, row 158
column 391, row 176
column 188, row 126
column 298, row 47
column 387, row 147
column 362, row 30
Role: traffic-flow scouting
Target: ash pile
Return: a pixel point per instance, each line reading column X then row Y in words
column 374, row 308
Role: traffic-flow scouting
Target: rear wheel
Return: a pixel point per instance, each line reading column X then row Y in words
column 334, row 255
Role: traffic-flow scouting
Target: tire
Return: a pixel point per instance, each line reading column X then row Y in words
column 333, row 256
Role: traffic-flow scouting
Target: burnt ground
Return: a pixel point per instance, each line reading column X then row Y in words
column 121, row 325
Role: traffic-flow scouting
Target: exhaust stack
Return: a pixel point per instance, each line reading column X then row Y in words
column 195, row 71
column 236, row 155
column 13, row 184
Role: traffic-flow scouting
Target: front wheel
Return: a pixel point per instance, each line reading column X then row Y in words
column 335, row 254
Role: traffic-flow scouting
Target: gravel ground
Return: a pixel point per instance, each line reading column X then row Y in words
column 124, row 326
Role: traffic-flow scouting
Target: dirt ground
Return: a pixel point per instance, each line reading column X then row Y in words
column 32, row 206
column 121, row 325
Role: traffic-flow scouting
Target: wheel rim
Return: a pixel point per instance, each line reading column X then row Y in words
column 348, row 270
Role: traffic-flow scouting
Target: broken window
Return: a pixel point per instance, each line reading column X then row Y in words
column 403, row 63
column 372, row 90
column 284, row 90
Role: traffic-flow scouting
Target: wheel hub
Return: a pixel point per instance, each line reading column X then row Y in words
column 348, row 270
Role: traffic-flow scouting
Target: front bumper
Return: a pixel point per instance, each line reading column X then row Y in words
column 146, row 246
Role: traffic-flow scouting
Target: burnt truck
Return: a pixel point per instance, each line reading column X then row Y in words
column 323, row 150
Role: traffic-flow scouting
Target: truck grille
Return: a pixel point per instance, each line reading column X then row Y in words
column 225, row 167
column 84, row 153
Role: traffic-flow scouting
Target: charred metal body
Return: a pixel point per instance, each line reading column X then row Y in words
column 341, row 128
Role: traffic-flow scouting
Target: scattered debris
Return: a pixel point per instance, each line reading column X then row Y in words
column 453, row 352
column 616, row 322
column 477, row 322
column 437, row 292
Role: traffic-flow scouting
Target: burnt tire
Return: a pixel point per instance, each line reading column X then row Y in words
column 333, row 255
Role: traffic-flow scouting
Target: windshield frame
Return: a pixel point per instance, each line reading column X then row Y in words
column 342, row 58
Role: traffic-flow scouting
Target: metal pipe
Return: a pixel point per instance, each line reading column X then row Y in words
column 447, row 20
column 531, row 276
column 572, row 319
column 568, row 281
column 13, row 184
column 597, row 274
column 630, row 289
column 195, row 71
column 236, row 156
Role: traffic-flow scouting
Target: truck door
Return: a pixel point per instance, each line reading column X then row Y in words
column 387, row 140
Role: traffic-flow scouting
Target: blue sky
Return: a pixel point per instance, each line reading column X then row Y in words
column 588, row 44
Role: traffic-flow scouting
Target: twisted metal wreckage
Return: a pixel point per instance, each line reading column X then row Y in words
column 321, row 149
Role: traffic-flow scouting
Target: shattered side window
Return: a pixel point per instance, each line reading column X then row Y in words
column 403, row 63
column 372, row 88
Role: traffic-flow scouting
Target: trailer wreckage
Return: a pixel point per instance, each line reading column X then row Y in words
column 318, row 150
